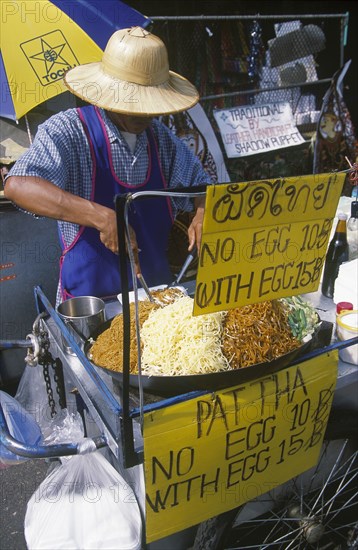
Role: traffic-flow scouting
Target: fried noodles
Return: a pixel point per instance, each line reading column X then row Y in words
column 167, row 295
column 257, row 333
column 177, row 343
column 173, row 342
column 107, row 350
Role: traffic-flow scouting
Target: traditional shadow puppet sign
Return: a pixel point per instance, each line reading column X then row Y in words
column 251, row 129
column 210, row 454
column 264, row 240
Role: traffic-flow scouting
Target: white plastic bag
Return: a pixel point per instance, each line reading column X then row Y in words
column 32, row 395
column 22, row 427
column 64, row 427
column 83, row 504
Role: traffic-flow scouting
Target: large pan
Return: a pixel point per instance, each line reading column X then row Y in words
column 167, row 386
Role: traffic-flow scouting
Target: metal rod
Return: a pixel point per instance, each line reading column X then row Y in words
column 9, row 344
column 344, row 32
column 243, row 17
column 40, row 451
column 195, row 192
column 319, row 351
column 130, row 457
column 261, row 90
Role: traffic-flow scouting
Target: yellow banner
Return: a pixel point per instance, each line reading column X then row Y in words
column 264, row 240
column 213, row 453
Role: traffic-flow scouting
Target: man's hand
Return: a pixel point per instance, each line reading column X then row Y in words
column 109, row 237
column 195, row 229
column 108, row 230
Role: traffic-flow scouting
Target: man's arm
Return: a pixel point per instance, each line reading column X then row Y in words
column 43, row 198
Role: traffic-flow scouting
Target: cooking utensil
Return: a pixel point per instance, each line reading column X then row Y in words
column 146, row 288
column 82, row 315
column 190, row 257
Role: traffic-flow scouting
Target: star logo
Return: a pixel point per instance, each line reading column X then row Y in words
column 50, row 56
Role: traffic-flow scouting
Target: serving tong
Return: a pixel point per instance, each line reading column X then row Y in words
column 146, row 288
column 178, row 278
column 190, row 257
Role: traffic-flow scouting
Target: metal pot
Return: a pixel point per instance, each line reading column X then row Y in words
column 82, row 315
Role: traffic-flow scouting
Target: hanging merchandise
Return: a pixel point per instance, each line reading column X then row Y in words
column 299, row 43
column 234, row 52
column 256, row 52
column 335, row 139
column 337, row 254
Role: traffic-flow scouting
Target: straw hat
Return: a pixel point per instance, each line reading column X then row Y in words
column 133, row 77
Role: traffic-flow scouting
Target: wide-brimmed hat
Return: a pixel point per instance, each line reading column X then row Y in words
column 133, row 77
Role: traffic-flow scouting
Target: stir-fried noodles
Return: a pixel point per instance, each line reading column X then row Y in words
column 257, row 333
column 173, row 342
column 176, row 343
column 107, row 350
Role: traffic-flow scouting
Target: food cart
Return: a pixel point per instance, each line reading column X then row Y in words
column 211, row 449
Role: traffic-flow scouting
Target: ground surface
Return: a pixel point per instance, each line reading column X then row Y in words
column 17, row 484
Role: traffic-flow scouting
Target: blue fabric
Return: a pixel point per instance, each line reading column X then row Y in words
column 101, row 19
column 88, row 267
column 7, row 106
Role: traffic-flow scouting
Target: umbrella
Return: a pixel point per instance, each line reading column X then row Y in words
column 41, row 40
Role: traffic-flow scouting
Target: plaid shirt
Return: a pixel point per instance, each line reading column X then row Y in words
column 61, row 154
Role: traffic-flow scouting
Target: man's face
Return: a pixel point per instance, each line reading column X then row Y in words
column 132, row 124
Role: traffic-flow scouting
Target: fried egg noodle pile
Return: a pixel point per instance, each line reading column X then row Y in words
column 175, row 343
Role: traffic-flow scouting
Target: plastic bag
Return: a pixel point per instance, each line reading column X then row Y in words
column 64, row 427
column 83, row 504
column 22, row 426
column 32, row 394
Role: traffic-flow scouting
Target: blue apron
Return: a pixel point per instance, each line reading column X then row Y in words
column 88, row 268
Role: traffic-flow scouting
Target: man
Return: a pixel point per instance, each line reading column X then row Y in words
column 82, row 158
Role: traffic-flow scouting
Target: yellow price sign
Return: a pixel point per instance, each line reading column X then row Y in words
column 210, row 454
column 264, row 239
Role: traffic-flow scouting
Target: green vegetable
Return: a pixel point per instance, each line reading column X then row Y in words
column 302, row 316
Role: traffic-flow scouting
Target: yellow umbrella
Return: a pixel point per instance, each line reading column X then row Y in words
column 41, row 40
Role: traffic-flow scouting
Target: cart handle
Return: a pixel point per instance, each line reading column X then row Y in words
column 47, row 451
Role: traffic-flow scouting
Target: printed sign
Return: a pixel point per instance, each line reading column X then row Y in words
column 210, row 454
column 50, row 56
column 264, row 240
column 252, row 129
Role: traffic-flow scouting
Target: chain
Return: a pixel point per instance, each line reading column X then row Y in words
column 60, row 384
column 51, row 401
column 46, row 360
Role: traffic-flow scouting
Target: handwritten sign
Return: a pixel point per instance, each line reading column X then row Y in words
column 213, row 453
column 252, row 129
column 264, row 240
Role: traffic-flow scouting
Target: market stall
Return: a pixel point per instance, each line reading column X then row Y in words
column 218, row 440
